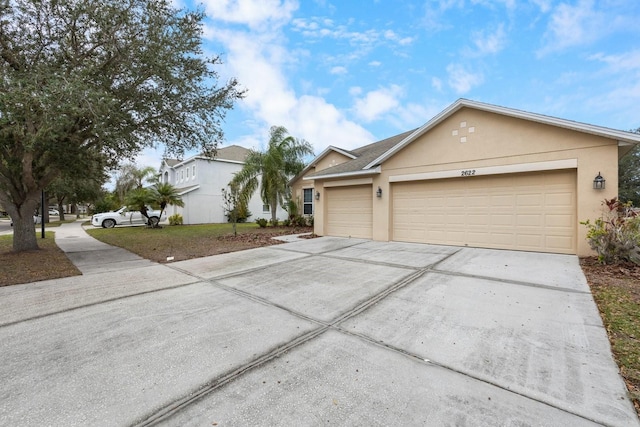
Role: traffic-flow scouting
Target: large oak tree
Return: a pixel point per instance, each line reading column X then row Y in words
column 84, row 81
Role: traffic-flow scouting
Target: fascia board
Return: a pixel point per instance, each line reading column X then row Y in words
column 377, row 170
column 618, row 135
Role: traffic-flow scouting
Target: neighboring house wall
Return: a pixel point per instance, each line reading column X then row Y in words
column 200, row 182
column 478, row 178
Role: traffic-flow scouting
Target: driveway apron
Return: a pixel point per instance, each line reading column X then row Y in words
column 319, row 331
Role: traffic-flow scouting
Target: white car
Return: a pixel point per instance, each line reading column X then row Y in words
column 124, row 216
column 54, row 212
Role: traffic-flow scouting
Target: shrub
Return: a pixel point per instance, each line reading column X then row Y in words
column 616, row 236
column 175, row 219
column 300, row 221
column 261, row 222
column 310, row 220
column 274, row 223
column 286, row 222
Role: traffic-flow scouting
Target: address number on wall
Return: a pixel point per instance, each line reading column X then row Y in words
column 468, row 172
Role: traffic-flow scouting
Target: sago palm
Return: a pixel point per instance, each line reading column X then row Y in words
column 166, row 194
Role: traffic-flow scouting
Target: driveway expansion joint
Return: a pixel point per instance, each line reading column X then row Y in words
column 169, row 410
column 510, row 281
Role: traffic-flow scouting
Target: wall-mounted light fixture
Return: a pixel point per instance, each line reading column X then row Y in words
column 598, row 182
column 379, row 192
column 317, row 195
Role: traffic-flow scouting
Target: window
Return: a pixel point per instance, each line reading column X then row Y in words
column 265, row 208
column 193, row 172
column 181, row 176
column 187, row 173
column 307, row 201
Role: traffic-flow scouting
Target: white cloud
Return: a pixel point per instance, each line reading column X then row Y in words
column 491, row 43
column 338, row 70
column 254, row 13
column 544, row 5
column 258, row 60
column 573, row 25
column 375, row 63
column 377, row 102
column 436, row 83
column 627, row 61
column 355, row 90
column 461, row 80
column 402, row 41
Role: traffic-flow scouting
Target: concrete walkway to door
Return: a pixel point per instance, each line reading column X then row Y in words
column 322, row 331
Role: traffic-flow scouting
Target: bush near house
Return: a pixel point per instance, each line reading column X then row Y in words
column 616, row 236
column 614, row 280
column 175, row 219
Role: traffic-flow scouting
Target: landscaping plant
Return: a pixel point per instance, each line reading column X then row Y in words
column 616, row 236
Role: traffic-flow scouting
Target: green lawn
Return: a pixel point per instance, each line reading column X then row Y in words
column 190, row 241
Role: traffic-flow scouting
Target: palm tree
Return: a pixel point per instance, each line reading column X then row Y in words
column 273, row 169
column 166, row 194
column 131, row 177
column 138, row 199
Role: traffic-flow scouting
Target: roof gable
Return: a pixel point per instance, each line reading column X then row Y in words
column 362, row 156
column 621, row 136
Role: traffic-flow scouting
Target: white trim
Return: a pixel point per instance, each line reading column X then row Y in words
column 618, row 135
column 183, row 191
column 348, row 183
column 490, row 170
column 344, row 174
column 319, row 157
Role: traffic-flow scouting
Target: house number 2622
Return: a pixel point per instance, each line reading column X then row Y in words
column 469, row 172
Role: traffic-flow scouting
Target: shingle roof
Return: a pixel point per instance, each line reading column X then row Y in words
column 233, row 153
column 172, row 162
column 364, row 155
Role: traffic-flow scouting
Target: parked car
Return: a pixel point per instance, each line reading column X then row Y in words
column 37, row 219
column 54, row 212
column 124, row 216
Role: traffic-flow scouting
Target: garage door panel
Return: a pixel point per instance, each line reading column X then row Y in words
column 560, row 221
column 350, row 211
column 533, row 211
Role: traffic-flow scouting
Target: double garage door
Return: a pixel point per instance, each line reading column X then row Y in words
column 532, row 211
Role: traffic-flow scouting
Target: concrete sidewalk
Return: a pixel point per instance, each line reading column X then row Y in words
column 319, row 331
column 93, row 256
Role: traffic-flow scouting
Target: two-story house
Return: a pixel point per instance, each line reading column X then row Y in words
column 200, row 181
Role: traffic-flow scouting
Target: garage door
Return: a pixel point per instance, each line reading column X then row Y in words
column 533, row 211
column 349, row 211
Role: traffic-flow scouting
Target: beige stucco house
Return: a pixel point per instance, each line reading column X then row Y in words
column 475, row 175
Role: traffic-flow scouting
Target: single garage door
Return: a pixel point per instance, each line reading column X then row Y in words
column 349, row 211
column 532, row 211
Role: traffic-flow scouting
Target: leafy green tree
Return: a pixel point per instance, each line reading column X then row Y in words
column 230, row 201
column 106, row 202
column 271, row 170
column 83, row 81
column 78, row 187
column 629, row 176
column 166, row 194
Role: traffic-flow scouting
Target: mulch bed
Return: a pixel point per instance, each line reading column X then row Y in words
column 616, row 290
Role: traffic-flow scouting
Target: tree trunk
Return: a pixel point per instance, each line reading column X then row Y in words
column 274, row 206
column 61, row 208
column 24, row 233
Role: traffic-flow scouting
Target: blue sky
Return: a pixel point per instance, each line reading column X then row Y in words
column 350, row 72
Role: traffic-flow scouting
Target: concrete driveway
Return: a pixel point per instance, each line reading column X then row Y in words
column 325, row 331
